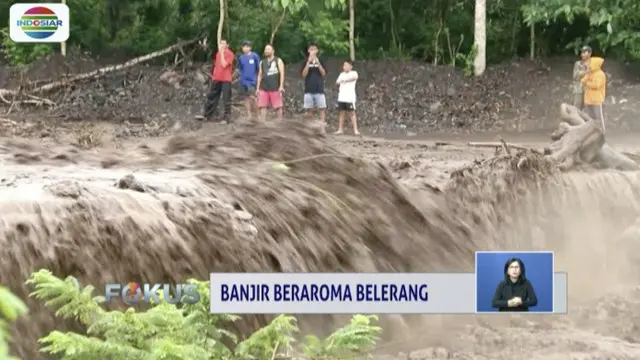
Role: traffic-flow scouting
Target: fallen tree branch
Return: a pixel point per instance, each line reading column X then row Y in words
column 33, row 100
column 499, row 144
column 94, row 74
column 505, row 146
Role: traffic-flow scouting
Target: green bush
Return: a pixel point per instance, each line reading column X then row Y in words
column 22, row 54
column 187, row 332
column 11, row 307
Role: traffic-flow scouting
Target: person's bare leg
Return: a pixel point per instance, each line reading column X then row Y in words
column 263, row 114
column 254, row 106
column 340, row 123
column 322, row 114
column 354, row 122
column 280, row 113
column 248, row 102
column 310, row 114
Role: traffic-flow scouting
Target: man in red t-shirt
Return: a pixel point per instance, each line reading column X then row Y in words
column 221, row 74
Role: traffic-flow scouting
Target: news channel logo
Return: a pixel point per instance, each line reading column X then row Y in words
column 133, row 293
column 39, row 23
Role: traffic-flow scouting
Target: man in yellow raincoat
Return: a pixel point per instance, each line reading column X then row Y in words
column 595, row 90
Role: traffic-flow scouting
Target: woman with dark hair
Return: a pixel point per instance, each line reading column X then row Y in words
column 515, row 292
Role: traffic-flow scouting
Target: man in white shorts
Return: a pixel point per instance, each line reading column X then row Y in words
column 347, row 96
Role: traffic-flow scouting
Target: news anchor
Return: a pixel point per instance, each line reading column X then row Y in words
column 514, row 293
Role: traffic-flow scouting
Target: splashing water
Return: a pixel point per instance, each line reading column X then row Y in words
column 216, row 204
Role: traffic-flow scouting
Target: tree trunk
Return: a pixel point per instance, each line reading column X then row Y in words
column 392, row 26
column 226, row 16
column 221, row 21
column 352, row 27
column 276, row 26
column 480, row 38
column 514, row 31
column 532, row 35
column 63, row 45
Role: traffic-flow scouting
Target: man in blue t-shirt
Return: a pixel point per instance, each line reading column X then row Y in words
column 248, row 66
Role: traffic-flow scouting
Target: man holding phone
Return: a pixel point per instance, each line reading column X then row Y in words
column 313, row 72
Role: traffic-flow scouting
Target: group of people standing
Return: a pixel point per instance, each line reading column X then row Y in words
column 590, row 85
column 262, row 84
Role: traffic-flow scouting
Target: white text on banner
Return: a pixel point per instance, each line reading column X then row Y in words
column 343, row 293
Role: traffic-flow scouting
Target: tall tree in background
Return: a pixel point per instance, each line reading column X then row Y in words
column 279, row 9
column 352, row 26
column 480, row 37
column 388, row 29
column 223, row 12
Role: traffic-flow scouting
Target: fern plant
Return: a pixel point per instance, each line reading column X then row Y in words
column 11, row 307
column 187, row 332
column 350, row 342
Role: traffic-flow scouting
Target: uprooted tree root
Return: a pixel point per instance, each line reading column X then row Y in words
column 577, row 143
column 579, row 140
column 316, row 210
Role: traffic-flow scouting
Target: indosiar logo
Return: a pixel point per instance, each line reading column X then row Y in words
column 39, row 23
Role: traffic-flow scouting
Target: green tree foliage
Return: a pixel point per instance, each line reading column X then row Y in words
column 613, row 25
column 403, row 29
column 11, row 307
column 188, row 332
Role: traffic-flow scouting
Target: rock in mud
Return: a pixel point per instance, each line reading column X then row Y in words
column 130, row 182
column 66, row 189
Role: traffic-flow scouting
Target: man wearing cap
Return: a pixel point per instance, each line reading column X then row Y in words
column 313, row 71
column 248, row 67
column 580, row 69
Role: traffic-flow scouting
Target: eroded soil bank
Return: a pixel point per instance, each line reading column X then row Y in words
column 138, row 209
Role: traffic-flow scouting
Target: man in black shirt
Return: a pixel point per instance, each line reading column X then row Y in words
column 314, row 72
column 270, row 83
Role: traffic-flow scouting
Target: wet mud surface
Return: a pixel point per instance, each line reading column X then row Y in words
column 118, row 182
column 107, row 211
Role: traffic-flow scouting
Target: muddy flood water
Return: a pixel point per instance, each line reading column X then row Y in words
column 167, row 209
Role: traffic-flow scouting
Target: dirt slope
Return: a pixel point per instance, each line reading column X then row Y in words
column 393, row 96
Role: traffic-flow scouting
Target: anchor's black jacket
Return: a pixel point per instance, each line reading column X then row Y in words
column 507, row 290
